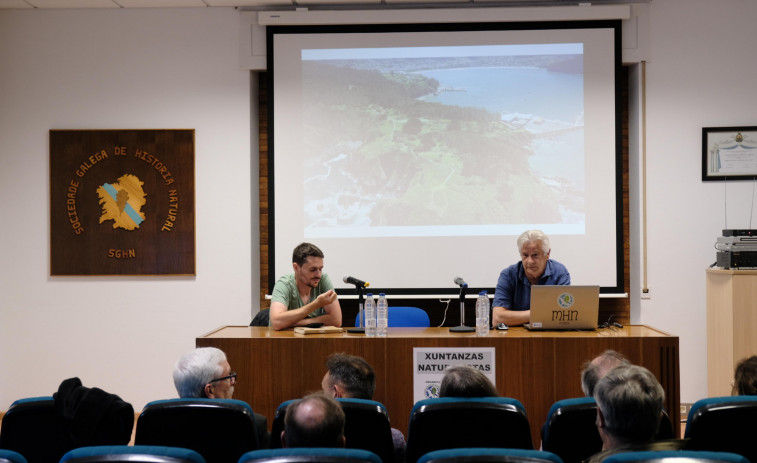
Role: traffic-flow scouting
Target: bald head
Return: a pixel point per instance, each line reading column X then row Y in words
column 598, row 368
column 314, row 421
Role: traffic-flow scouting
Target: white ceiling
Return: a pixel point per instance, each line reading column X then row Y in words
column 253, row 4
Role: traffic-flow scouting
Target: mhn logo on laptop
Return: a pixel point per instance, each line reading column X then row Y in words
column 556, row 307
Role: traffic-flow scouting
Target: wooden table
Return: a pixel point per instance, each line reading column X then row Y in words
column 537, row 368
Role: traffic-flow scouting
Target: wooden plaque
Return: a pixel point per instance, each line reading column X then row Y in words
column 122, row 202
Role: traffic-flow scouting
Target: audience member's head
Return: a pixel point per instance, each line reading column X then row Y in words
column 348, row 376
column 204, row 372
column 317, row 420
column 465, row 381
column 629, row 406
column 745, row 379
column 594, row 370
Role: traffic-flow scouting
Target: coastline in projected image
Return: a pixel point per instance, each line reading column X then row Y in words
column 438, row 146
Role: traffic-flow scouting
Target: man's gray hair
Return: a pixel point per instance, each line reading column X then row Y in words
column 631, row 400
column 195, row 369
column 534, row 235
column 597, row 368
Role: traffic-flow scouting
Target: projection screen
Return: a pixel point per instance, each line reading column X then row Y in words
column 415, row 154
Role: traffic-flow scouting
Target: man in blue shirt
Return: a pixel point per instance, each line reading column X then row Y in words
column 512, row 298
column 307, row 295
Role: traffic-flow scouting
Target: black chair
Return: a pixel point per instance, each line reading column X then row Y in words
column 9, row 456
column 675, row 456
column 261, row 318
column 665, row 431
column 571, row 430
column 30, row 421
column 75, row 416
column 221, row 430
column 310, row 455
column 366, row 427
column 487, row 455
column 723, row 424
column 445, row 423
column 131, row 454
column 277, row 425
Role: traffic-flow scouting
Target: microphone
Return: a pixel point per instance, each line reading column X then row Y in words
column 460, row 282
column 356, row 282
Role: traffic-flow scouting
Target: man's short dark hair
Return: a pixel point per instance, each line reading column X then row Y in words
column 322, row 427
column 353, row 374
column 631, row 401
column 465, row 381
column 595, row 369
column 303, row 251
column 745, row 379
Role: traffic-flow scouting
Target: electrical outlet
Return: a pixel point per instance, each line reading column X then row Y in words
column 646, row 293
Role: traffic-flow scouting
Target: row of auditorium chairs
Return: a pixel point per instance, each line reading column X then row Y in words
column 161, row 454
column 221, row 430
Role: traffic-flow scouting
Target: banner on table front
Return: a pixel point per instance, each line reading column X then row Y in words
column 429, row 364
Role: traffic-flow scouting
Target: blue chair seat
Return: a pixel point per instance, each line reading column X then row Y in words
column 449, row 422
column 489, row 455
column 9, row 456
column 675, row 456
column 33, row 420
column 220, row 430
column 131, row 454
column 310, row 455
column 399, row 317
column 723, row 424
column 570, row 430
column 366, row 427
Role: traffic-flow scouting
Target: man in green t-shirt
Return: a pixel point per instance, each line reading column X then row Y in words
column 307, row 295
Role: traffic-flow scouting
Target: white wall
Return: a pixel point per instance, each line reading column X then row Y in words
column 177, row 68
column 700, row 73
column 125, row 68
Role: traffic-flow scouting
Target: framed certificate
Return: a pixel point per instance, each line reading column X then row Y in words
column 729, row 153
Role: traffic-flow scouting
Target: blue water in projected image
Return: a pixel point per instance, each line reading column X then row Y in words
column 526, row 166
column 539, row 95
column 527, row 90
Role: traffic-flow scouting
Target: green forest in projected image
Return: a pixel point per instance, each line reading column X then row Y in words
column 443, row 141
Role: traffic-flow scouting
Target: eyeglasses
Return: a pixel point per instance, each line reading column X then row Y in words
column 232, row 377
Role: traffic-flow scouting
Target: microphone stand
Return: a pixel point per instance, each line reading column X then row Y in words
column 462, row 328
column 361, row 316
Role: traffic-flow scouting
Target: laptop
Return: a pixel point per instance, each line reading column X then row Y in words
column 562, row 307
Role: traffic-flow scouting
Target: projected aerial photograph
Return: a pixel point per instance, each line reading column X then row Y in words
column 434, row 142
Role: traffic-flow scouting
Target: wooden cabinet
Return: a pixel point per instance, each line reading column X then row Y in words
column 731, row 325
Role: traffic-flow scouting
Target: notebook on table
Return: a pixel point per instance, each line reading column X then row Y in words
column 564, row 307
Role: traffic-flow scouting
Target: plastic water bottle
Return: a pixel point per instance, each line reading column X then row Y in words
column 369, row 312
column 482, row 314
column 382, row 315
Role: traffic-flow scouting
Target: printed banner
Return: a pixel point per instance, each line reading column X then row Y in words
column 429, row 364
column 122, row 202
